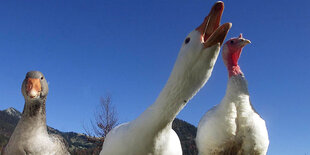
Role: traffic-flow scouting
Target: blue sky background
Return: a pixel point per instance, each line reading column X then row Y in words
column 87, row 49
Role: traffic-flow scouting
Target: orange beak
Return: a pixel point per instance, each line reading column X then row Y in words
column 33, row 87
column 210, row 30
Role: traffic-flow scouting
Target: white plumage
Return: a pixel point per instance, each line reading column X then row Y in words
column 151, row 132
column 233, row 126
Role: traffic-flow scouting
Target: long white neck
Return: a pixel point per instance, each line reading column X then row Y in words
column 161, row 114
column 190, row 72
column 237, row 85
column 237, row 91
column 179, row 89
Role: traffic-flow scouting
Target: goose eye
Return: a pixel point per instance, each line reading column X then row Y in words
column 187, row 40
column 42, row 78
column 232, row 42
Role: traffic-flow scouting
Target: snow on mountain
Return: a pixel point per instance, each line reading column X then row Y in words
column 13, row 112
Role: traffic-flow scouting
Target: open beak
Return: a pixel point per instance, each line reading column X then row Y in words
column 211, row 31
column 33, row 87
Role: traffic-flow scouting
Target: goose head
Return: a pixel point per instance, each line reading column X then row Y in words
column 200, row 50
column 34, row 86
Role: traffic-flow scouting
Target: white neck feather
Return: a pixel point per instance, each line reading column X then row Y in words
column 237, row 91
column 161, row 114
column 184, row 82
column 237, row 84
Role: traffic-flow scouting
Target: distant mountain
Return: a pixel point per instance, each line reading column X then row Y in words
column 79, row 144
column 187, row 135
column 8, row 120
column 13, row 112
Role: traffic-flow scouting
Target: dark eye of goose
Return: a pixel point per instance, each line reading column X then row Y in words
column 42, row 78
column 187, row 40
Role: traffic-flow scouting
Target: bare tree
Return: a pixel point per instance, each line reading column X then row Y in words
column 105, row 120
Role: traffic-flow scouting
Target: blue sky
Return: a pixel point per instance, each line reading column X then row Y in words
column 87, row 49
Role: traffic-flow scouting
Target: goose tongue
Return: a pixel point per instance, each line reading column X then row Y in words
column 210, row 29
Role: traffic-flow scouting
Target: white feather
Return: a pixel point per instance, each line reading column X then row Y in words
column 151, row 132
column 233, row 125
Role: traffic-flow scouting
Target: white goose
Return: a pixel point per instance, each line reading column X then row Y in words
column 151, row 132
column 233, row 126
column 30, row 136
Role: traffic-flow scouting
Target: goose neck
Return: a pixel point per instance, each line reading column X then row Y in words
column 35, row 112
